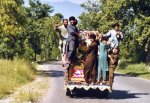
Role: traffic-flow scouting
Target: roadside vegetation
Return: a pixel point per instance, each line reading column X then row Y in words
column 134, row 69
column 14, row 73
column 28, row 33
column 32, row 92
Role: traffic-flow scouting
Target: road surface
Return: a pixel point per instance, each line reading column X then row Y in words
column 126, row 89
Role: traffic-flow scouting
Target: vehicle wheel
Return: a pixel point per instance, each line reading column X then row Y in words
column 72, row 94
column 105, row 93
column 68, row 92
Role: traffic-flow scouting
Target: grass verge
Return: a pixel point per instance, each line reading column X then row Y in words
column 14, row 74
column 134, row 69
column 32, row 92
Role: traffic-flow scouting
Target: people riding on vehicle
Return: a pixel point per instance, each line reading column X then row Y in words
column 102, row 61
column 98, row 68
column 72, row 43
column 91, row 62
column 63, row 35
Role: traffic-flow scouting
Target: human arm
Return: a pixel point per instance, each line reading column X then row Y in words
column 107, row 34
column 119, row 35
column 111, row 59
column 58, row 28
column 72, row 31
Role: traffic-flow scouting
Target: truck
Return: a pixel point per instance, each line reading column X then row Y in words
column 77, row 83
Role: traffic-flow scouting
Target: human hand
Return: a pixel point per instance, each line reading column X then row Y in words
column 109, row 56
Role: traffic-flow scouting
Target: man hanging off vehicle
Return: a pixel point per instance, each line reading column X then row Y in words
column 115, row 36
column 63, row 34
column 72, row 43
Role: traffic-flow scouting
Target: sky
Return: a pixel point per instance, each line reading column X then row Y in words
column 66, row 7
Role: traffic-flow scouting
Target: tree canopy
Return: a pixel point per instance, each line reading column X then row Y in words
column 132, row 15
column 28, row 32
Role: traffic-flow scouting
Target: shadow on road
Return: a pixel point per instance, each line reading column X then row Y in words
column 116, row 94
column 54, row 62
column 53, row 73
column 120, row 94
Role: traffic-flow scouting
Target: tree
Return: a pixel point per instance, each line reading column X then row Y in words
column 27, row 32
column 59, row 15
column 41, row 31
column 89, row 19
column 12, row 16
column 133, row 16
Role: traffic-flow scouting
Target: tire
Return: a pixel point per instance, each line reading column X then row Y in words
column 68, row 92
column 105, row 94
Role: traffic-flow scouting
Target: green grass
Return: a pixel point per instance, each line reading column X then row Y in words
column 133, row 69
column 13, row 74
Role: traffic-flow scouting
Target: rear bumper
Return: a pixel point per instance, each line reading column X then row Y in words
column 85, row 87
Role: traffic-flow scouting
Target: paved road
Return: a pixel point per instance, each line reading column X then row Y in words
column 126, row 89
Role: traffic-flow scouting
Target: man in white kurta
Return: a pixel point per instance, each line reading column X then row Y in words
column 63, row 35
column 115, row 36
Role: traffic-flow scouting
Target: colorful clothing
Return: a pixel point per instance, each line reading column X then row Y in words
column 102, row 62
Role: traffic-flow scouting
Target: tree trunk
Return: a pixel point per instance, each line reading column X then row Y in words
column 35, row 57
column 148, row 55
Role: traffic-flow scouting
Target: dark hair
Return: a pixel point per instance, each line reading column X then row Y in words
column 76, row 22
column 92, row 36
column 72, row 18
column 65, row 19
column 110, row 51
column 116, row 24
column 104, row 38
column 118, row 49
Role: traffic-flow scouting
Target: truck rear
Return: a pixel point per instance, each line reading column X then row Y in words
column 78, row 85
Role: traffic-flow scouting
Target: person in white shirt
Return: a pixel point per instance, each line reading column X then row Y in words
column 115, row 36
column 63, row 35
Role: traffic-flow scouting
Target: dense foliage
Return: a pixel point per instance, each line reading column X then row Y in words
column 134, row 18
column 28, row 32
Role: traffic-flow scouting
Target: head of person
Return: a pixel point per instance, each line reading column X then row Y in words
column 65, row 22
column 72, row 20
column 76, row 22
column 103, row 38
column 116, row 50
column 116, row 26
column 92, row 37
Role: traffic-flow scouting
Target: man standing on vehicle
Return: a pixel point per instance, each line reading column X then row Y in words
column 115, row 36
column 72, row 43
column 63, row 36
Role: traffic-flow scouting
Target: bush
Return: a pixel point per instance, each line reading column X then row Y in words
column 13, row 74
column 134, row 69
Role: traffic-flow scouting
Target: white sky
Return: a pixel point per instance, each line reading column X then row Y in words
column 73, row 1
column 66, row 10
